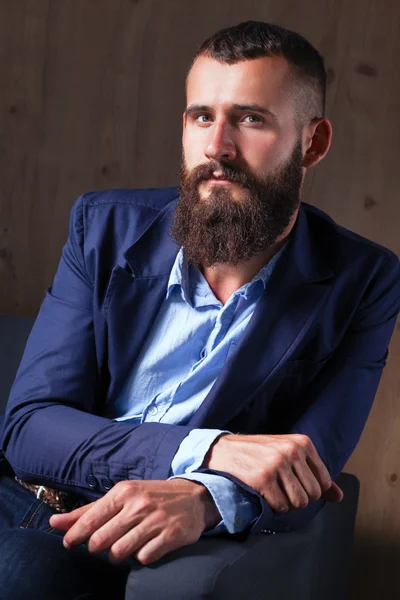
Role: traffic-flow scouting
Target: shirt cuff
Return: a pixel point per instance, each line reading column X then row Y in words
column 193, row 449
column 237, row 510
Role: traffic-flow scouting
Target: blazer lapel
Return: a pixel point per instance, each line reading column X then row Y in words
column 294, row 294
column 135, row 293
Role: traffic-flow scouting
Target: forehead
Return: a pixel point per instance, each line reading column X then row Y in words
column 265, row 81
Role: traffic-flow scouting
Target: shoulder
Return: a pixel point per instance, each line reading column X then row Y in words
column 153, row 199
column 105, row 223
column 342, row 247
column 118, row 213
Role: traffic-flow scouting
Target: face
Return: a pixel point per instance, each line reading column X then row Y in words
column 213, row 128
column 242, row 161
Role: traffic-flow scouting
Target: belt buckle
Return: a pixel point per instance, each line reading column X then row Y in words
column 40, row 492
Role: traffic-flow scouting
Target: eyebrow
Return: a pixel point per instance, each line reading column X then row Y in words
column 192, row 108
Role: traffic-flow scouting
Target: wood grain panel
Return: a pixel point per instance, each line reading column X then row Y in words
column 92, row 95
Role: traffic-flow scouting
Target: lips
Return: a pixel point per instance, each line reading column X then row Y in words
column 220, row 180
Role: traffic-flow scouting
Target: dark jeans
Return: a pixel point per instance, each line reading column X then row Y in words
column 34, row 563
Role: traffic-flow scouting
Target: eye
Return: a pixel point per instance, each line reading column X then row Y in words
column 256, row 117
column 199, row 118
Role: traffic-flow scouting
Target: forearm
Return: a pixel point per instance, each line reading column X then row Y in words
column 79, row 452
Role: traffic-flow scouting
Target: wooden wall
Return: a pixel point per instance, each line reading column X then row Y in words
column 92, row 93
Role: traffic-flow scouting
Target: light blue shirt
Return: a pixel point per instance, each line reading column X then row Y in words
column 188, row 345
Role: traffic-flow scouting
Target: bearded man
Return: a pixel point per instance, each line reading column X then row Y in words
column 207, row 356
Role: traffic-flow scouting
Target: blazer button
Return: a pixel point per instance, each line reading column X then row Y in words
column 91, row 481
column 107, row 483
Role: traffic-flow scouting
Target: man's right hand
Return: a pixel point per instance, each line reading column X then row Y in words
column 285, row 469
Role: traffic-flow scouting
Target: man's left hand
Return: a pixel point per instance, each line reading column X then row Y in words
column 146, row 519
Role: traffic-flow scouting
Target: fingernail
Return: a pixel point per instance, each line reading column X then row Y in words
column 66, row 545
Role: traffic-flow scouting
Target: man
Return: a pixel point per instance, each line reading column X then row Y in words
column 206, row 358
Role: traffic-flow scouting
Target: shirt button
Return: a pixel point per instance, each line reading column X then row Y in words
column 91, row 481
column 238, row 521
column 153, row 410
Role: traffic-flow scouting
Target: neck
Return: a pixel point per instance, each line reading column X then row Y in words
column 225, row 279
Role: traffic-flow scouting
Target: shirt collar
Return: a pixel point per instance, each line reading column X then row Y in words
column 183, row 275
column 265, row 272
column 179, row 277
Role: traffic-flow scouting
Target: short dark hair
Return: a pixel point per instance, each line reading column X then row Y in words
column 255, row 39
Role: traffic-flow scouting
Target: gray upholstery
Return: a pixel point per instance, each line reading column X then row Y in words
column 14, row 331
column 310, row 564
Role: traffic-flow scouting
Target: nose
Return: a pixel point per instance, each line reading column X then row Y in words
column 220, row 144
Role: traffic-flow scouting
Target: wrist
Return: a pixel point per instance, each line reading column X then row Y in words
column 217, row 448
column 212, row 516
column 206, row 506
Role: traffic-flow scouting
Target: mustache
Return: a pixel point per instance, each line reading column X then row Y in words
column 206, row 171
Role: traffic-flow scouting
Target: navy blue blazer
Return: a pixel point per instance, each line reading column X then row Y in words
column 310, row 360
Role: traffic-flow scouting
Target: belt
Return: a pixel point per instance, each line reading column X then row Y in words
column 53, row 498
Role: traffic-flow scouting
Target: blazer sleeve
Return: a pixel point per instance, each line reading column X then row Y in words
column 341, row 395
column 51, row 435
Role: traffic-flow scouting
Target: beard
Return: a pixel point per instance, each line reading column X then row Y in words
column 219, row 229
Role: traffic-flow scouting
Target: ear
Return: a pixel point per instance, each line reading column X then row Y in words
column 316, row 141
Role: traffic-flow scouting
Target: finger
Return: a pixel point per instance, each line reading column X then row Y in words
column 275, row 497
column 131, row 542
column 65, row 520
column 308, row 480
column 158, row 547
column 318, row 468
column 293, row 489
column 334, row 494
column 113, row 530
column 99, row 513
